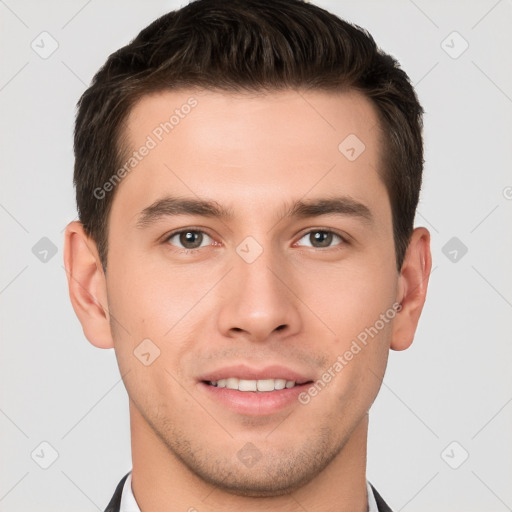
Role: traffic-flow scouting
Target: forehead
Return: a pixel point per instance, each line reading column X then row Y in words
column 306, row 119
column 250, row 147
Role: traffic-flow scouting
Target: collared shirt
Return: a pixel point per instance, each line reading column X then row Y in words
column 128, row 503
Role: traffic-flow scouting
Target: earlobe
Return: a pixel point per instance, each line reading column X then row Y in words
column 412, row 289
column 87, row 285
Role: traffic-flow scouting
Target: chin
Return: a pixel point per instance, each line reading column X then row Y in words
column 260, row 484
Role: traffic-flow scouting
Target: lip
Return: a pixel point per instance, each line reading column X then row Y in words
column 242, row 371
column 255, row 403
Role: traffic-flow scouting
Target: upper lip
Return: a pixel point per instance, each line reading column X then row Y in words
column 243, row 371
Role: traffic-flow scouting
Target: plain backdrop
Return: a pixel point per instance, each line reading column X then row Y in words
column 440, row 433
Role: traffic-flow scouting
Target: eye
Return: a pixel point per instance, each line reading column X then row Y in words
column 320, row 238
column 189, row 239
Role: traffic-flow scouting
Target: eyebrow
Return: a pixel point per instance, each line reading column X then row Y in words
column 173, row 206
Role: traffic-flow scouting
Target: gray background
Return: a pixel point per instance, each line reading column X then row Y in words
column 453, row 385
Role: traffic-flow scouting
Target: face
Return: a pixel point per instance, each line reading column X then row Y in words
column 251, row 248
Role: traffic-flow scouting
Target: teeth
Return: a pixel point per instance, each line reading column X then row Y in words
column 247, row 385
column 280, row 383
column 266, row 384
column 232, row 383
column 253, row 385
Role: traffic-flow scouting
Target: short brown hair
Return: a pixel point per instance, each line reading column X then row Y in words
column 247, row 45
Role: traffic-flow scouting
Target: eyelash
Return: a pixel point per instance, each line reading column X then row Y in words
column 183, row 250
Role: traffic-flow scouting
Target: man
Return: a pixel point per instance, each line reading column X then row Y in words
column 247, row 174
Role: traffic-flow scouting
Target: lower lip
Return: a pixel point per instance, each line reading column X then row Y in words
column 255, row 403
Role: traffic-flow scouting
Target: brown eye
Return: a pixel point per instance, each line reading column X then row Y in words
column 320, row 239
column 189, row 239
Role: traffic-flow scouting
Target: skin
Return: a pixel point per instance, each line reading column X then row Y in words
column 297, row 304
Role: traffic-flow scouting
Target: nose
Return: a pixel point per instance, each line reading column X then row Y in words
column 259, row 300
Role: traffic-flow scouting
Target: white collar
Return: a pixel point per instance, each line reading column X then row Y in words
column 372, row 504
column 128, row 503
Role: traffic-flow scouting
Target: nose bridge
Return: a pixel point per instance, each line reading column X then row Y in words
column 258, row 302
column 258, row 278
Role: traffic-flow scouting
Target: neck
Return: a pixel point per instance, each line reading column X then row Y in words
column 160, row 481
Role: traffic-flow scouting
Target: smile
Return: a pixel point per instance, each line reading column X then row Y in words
column 263, row 385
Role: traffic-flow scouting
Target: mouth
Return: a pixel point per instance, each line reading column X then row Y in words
column 256, row 386
column 252, row 392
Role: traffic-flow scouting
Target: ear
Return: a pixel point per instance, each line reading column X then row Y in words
column 87, row 285
column 412, row 288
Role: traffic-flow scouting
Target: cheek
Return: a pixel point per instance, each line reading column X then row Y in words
column 352, row 303
column 350, row 298
column 155, row 315
column 362, row 361
column 149, row 301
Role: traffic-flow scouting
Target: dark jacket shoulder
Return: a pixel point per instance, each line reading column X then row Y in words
column 115, row 502
column 383, row 506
